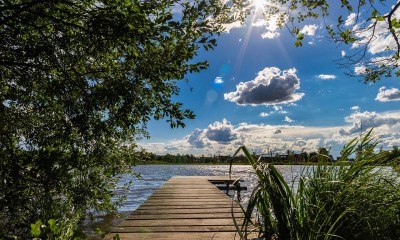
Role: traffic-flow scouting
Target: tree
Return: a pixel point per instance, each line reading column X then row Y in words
column 313, row 157
column 79, row 81
column 372, row 28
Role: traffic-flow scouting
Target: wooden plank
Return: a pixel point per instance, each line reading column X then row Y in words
column 149, row 229
column 176, row 222
column 180, row 203
column 186, row 211
column 185, row 216
column 184, row 208
column 147, row 207
column 177, row 235
column 188, row 200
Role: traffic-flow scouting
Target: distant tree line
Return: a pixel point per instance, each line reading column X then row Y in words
column 290, row 157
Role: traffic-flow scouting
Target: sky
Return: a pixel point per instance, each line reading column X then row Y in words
column 263, row 92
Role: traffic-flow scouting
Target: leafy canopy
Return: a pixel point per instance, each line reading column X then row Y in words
column 79, row 80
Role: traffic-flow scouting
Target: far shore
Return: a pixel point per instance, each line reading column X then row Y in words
column 240, row 163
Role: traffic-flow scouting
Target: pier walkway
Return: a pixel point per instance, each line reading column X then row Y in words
column 183, row 208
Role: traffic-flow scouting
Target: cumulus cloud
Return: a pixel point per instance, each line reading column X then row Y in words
column 351, row 19
column 343, row 53
column 366, row 120
column 386, row 95
column 196, row 138
column 224, row 138
column 272, row 26
column 288, row 119
column 218, row 131
column 355, row 108
column 218, row 80
column 309, row 29
column 270, row 35
column 382, row 37
column 221, row 132
column 264, row 114
column 271, row 86
column 326, row 76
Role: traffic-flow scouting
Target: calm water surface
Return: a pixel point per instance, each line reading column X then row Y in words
column 154, row 176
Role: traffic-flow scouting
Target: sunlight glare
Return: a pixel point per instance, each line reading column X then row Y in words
column 259, row 4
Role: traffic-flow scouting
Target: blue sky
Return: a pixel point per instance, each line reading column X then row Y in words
column 263, row 92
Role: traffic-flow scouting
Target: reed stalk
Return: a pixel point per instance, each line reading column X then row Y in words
column 360, row 200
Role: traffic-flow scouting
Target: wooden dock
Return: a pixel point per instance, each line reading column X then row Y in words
column 183, row 208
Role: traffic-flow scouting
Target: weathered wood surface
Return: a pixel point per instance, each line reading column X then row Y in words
column 183, row 208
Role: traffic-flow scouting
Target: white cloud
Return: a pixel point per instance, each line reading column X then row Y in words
column 386, row 95
column 355, row 108
column 378, row 37
column 218, row 80
column 224, row 138
column 272, row 26
column 362, row 121
column 264, row 114
column 271, row 86
column 343, row 53
column 230, row 26
column 221, row 132
column 270, row 35
column 288, row 119
column 309, row 29
column 360, row 70
column 279, row 109
column 259, row 23
column 351, row 19
column 196, row 139
column 326, row 76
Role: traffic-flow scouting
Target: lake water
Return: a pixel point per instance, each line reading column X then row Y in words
column 154, row 176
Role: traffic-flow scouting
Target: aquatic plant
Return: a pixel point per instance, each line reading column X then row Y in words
column 360, row 200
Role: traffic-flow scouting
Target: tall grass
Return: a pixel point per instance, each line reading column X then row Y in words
column 360, row 200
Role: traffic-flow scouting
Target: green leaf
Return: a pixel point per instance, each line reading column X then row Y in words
column 340, row 20
column 53, row 226
column 116, row 237
column 298, row 43
column 374, row 13
column 380, row 18
column 35, row 228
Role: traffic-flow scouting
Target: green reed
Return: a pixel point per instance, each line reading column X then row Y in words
column 360, row 200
